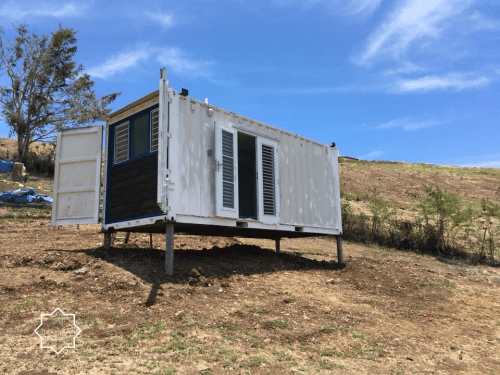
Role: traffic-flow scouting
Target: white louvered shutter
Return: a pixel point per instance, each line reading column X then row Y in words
column 268, row 181
column 226, row 174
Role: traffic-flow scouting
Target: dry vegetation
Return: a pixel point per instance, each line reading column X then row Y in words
column 234, row 306
column 8, row 148
column 40, row 159
column 238, row 307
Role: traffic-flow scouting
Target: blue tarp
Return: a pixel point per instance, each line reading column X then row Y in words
column 23, row 196
column 6, row 166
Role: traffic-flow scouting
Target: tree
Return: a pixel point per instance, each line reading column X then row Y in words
column 46, row 89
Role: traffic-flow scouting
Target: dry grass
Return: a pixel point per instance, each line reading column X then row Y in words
column 251, row 311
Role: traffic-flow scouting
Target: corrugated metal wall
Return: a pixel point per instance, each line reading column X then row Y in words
column 309, row 171
column 196, row 170
column 308, row 175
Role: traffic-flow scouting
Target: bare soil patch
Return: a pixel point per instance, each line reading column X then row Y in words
column 234, row 306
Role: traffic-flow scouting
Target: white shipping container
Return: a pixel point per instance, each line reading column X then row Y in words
column 173, row 163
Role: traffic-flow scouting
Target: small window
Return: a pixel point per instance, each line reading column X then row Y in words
column 139, row 129
column 121, row 142
column 154, row 129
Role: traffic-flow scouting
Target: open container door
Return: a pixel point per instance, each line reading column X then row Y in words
column 163, row 140
column 226, row 173
column 77, row 178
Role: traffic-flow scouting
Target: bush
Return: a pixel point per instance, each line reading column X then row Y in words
column 41, row 160
column 443, row 226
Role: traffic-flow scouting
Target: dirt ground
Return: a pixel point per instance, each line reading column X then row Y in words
column 234, row 306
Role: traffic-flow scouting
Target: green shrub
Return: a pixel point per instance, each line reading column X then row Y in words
column 445, row 225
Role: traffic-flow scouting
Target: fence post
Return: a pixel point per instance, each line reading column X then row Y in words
column 491, row 249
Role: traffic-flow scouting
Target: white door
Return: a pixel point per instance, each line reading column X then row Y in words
column 163, row 140
column 77, row 177
column 268, row 180
column 226, row 172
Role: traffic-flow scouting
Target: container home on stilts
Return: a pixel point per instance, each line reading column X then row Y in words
column 173, row 164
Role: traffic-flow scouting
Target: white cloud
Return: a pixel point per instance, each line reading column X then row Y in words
column 407, row 124
column 405, row 68
column 485, row 164
column 412, row 21
column 323, row 90
column 22, row 10
column 361, row 7
column 166, row 20
column 372, row 155
column 482, row 22
column 452, row 81
column 181, row 64
column 486, row 161
column 173, row 58
column 119, row 63
column 344, row 7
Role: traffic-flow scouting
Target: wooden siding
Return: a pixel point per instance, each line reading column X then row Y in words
column 132, row 189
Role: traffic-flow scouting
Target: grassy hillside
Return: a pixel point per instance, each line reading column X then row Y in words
column 401, row 183
column 387, row 203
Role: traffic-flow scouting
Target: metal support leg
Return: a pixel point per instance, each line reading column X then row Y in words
column 107, row 240
column 169, row 256
column 150, row 240
column 277, row 240
column 340, row 256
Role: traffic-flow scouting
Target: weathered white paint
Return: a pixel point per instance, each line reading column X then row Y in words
column 77, row 176
column 307, row 171
column 135, row 222
column 163, row 140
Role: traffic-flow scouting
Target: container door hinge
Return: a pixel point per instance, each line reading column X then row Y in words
column 167, row 180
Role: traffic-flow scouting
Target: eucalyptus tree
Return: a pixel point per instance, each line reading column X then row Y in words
column 43, row 89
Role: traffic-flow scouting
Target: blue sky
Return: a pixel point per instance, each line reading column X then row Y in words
column 399, row 80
